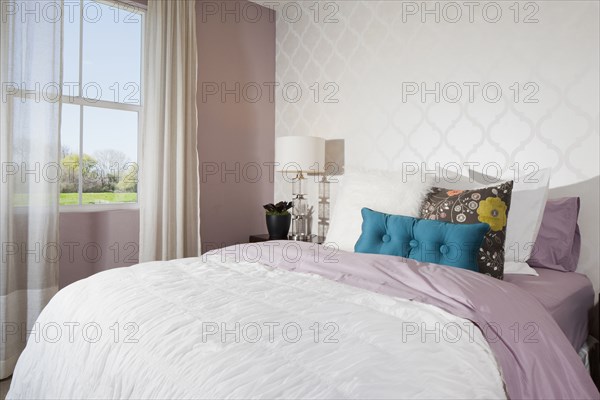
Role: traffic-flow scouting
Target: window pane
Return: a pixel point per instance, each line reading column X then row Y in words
column 110, row 140
column 112, row 42
column 71, row 48
column 69, row 136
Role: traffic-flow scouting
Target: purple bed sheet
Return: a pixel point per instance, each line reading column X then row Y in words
column 542, row 365
column 568, row 297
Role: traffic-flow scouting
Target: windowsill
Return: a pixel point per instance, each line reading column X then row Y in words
column 90, row 208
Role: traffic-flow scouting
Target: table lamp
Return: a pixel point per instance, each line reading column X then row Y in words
column 299, row 155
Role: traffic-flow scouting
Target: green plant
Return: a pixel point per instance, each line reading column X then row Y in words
column 280, row 208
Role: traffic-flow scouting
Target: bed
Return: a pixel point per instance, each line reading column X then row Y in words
column 348, row 308
column 297, row 320
column 567, row 296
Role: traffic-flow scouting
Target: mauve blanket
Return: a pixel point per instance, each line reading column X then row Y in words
column 536, row 358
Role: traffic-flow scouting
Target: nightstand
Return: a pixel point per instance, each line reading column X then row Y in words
column 594, row 353
column 265, row 237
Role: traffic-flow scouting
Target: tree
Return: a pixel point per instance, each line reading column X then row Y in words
column 70, row 173
column 110, row 166
column 110, row 161
column 65, row 151
column 108, row 171
column 129, row 180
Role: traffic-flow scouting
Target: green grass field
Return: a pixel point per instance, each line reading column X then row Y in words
column 68, row 199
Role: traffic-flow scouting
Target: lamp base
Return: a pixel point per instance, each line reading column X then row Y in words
column 300, row 238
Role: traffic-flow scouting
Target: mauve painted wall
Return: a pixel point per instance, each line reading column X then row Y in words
column 96, row 241
column 234, row 134
column 228, row 132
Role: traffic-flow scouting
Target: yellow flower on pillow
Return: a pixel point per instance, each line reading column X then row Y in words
column 492, row 211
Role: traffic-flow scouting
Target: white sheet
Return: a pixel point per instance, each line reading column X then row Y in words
column 378, row 353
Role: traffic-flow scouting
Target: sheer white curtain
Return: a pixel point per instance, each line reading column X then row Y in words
column 30, row 72
column 169, row 209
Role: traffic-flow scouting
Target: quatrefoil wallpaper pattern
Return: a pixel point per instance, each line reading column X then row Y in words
column 499, row 83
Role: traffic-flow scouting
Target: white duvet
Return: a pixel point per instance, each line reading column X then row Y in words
column 198, row 329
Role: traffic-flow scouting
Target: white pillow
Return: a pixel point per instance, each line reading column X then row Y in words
column 387, row 192
column 453, row 179
column 528, row 200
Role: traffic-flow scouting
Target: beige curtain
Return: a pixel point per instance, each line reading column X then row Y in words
column 169, row 209
column 30, row 73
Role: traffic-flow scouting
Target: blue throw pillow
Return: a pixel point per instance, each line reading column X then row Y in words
column 456, row 245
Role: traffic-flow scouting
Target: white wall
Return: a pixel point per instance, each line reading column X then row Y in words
column 377, row 48
column 370, row 53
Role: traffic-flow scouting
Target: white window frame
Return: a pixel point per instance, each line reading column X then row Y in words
column 81, row 101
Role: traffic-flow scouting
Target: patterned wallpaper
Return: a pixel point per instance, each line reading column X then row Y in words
column 494, row 82
column 502, row 84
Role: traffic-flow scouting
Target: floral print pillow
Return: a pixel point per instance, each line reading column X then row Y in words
column 489, row 205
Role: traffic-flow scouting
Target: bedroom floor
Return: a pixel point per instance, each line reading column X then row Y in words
column 4, row 385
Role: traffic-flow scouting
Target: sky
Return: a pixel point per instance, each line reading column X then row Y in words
column 110, row 72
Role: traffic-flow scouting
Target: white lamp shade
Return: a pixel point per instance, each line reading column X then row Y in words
column 300, row 154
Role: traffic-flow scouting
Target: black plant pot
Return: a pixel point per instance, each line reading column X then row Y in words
column 278, row 226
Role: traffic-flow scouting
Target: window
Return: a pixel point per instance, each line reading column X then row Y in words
column 101, row 104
